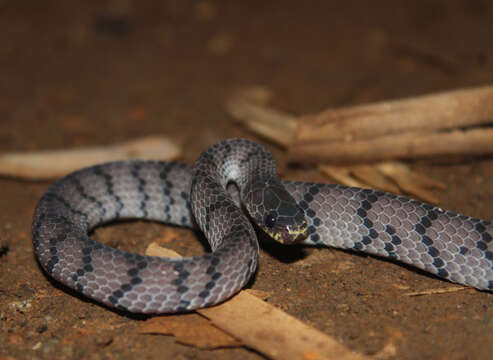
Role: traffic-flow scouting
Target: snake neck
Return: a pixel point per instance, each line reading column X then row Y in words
column 237, row 161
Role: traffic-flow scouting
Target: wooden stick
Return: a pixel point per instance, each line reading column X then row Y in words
column 424, row 114
column 273, row 332
column 268, row 329
column 249, row 107
column 436, row 125
column 55, row 163
column 407, row 145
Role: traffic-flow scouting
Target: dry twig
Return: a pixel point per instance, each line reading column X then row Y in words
column 439, row 291
column 51, row 164
column 355, row 136
column 267, row 329
column 435, row 125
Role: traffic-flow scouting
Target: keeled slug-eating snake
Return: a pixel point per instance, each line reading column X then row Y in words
column 452, row 246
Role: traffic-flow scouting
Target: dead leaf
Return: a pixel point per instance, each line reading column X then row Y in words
column 155, row 250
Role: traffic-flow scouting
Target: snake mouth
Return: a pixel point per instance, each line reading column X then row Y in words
column 291, row 234
column 299, row 234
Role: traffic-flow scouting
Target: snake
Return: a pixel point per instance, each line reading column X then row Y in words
column 231, row 193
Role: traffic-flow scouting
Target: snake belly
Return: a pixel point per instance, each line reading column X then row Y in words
column 452, row 246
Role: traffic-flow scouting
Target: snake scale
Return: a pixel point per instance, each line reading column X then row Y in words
column 454, row 247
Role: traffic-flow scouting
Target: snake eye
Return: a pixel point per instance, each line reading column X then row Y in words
column 270, row 220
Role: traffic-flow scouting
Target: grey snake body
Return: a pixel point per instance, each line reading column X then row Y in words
column 452, row 246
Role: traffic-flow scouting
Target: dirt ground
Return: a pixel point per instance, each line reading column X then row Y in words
column 78, row 73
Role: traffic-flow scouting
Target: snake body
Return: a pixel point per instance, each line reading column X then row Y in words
column 455, row 247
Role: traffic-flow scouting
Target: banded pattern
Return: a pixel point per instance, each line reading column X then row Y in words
column 159, row 191
column 455, row 247
column 452, row 246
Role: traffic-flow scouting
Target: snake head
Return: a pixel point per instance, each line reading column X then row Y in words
column 276, row 212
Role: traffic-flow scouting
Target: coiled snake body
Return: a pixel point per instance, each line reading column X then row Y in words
column 452, row 246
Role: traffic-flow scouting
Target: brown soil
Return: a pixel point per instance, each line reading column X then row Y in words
column 83, row 73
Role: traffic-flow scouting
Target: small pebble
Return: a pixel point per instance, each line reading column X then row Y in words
column 103, row 340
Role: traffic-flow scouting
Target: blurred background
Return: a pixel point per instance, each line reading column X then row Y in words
column 75, row 73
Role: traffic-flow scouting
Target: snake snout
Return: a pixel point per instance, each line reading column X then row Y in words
column 294, row 234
